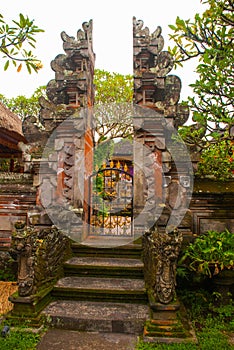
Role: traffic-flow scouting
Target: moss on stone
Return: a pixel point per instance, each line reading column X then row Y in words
column 213, row 186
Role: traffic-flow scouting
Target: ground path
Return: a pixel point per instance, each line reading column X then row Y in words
column 57, row 339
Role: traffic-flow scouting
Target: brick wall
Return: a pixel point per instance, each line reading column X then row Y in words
column 17, row 197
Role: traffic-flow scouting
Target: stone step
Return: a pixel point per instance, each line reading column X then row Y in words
column 103, row 250
column 100, row 289
column 97, row 316
column 104, row 267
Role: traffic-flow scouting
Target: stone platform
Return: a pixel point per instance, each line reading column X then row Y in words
column 97, row 316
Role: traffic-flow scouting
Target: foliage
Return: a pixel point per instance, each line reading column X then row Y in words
column 103, row 152
column 16, row 41
column 7, row 275
column 112, row 87
column 209, row 338
column 113, row 99
column 148, row 346
column 182, row 272
column 211, row 323
column 210, row 253
column 19, row 340
column 8, row 267
column 24, row 106
column 208, row 38
column 213, row 339
column 217, row 161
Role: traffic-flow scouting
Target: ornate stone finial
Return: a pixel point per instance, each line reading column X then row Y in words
column 88, row 29
column 139, row 32
column 81, row 36
column 72, row 87
column 142, row 38
column 153, row 87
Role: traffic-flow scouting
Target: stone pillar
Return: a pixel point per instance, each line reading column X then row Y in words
column 67, row 116
column 162, row 175
column 149, row 143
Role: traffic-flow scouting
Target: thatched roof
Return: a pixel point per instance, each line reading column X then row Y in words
column 123, row 150
column 10, row 121
column 10, row 130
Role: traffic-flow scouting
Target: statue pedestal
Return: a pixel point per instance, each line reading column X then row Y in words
column 168, row 324
column 29, row 307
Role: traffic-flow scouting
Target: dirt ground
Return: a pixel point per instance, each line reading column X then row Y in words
column 6, row 289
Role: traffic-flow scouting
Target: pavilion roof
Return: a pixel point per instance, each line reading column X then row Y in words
column 10, row 131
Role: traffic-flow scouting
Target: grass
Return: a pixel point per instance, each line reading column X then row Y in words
column 20, row 340
column 149, row 346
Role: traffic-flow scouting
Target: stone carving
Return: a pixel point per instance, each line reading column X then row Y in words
column 39, row 254
column 148, row 149
column 21, row 248
column 161, row 251
column 69, row 171
column 82, row 35
column 153, row 87
column 72, row 86
column 167, row 248
column 142, row 37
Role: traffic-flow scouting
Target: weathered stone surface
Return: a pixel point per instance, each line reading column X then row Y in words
column 212, row 206
column 161, row 251
column 98, row 316
column 153, row 87
column 72, row 86
column 103, row 284
column 40, row 254
column 85, row 341
column 169, row 324
column 111, row 262
column 104, row 267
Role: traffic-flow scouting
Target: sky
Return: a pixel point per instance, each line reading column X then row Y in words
column 112, row 34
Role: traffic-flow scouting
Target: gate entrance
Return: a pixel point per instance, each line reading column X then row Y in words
column 111, row 200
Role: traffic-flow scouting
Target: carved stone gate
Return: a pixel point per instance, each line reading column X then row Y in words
column 111, row 200
column 108, row 202
column 161, row 172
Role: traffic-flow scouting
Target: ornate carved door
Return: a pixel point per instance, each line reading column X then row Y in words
column 111, row 200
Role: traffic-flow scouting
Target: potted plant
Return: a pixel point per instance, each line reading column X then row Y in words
column 211, row 255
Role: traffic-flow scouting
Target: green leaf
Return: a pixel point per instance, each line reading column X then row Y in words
column 180, row 22
column 29, row 68
column 172, row 27
column 22, row 21
column 6, row 65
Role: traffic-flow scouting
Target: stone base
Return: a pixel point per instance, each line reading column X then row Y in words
column 28, row 309
column 223, row 284
column 168, row 324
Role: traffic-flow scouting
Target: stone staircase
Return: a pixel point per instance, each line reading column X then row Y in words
column 102, row 290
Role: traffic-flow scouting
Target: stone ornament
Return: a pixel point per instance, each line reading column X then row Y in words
column 40, row 254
